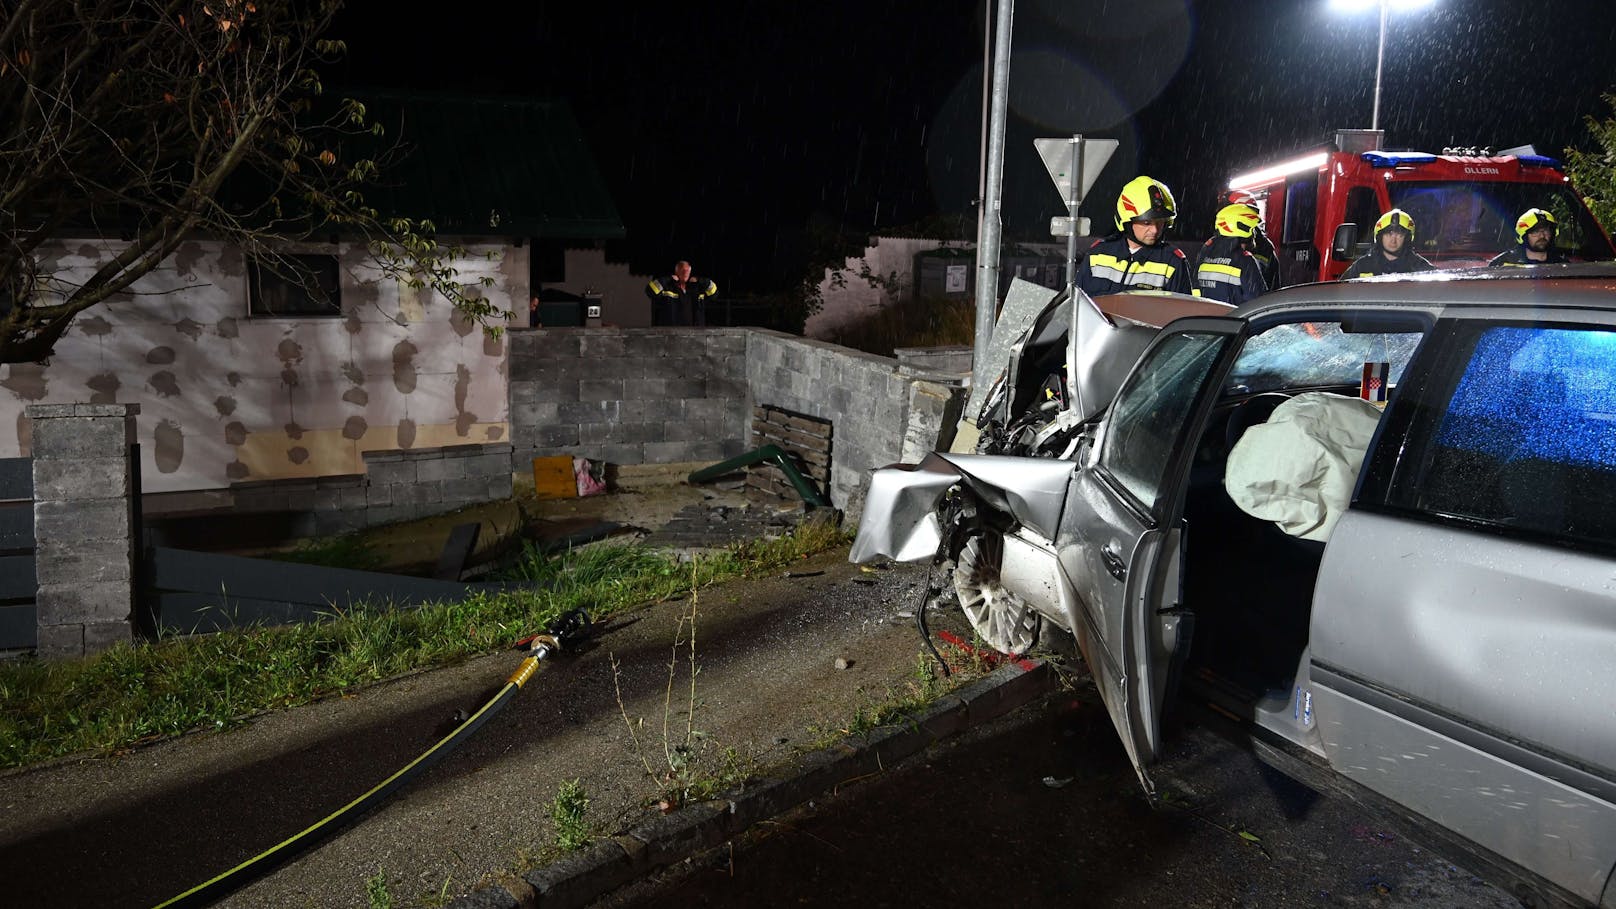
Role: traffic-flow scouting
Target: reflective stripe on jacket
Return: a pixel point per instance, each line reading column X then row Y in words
column 1110, row 267
column 672, row 306
column 1225, row 271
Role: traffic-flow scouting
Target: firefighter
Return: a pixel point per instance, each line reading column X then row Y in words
column 1261, row 248
column 1137, row 257
column 1226, row 270
column 1394, row 237
column 679, row 299
column 1535, row 230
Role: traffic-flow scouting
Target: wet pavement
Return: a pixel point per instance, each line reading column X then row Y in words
column 1042, row 807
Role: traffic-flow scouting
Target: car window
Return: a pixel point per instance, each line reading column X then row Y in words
column 1149, row 413
column 1527, row 440
column 1316, row 355
column 1363, row 209
column 1301, row 204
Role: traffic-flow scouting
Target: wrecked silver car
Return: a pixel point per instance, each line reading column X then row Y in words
column 1375, row 521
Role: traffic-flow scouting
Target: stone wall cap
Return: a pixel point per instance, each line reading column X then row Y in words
column 49, row 411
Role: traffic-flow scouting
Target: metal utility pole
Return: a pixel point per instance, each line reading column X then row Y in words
column 1074, row 198
column 987, row 101
column 988, row 236
column 1380, row 62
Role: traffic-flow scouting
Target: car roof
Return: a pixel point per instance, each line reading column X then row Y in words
column 1589, row 285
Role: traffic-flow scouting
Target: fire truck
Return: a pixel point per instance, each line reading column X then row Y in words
column 1319, row 207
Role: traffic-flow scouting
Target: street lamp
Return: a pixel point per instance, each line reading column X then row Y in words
column 1380, row 54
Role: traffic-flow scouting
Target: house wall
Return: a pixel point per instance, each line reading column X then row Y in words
column 849, row 298
column 226, row 397
column 623, row 303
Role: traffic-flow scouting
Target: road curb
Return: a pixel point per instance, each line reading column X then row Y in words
column 584, row 876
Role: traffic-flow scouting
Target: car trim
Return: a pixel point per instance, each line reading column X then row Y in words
column 1468, row 524
column 1565, row 770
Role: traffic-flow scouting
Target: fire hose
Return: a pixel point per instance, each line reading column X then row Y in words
column 566, row 630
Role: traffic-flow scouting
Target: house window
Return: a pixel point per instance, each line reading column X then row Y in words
column 294, row 285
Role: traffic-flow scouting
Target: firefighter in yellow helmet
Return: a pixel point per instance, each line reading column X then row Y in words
column 1394, row 249
column 1262, row 248
column 1226, row 270
column 1137, row 257
column 1534, row 231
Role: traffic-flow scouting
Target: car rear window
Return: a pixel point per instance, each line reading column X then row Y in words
column 1527, row 439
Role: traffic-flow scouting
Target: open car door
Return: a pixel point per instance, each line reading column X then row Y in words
column 1121, row 535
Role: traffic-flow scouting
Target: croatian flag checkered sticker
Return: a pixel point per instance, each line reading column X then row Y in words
column 1373, row 386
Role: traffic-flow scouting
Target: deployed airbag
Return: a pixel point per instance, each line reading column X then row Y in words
column 1298, row 469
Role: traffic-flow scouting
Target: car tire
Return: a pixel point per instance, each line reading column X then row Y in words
column 1000, row 617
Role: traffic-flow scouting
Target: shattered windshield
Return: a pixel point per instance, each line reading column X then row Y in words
column 1477, row 219
column 1315, row 354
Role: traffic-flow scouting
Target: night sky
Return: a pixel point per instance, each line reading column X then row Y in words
column 726, row 129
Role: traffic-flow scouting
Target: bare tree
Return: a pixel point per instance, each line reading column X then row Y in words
column 138, row 119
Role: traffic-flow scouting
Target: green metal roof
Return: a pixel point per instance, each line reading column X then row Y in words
column 490, row 165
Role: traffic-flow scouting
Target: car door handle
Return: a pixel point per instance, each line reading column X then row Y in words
column 1113, row 563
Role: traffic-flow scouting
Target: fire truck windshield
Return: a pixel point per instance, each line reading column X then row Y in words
column 1459, row 222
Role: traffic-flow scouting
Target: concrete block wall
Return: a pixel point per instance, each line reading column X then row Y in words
column 403, row 485
column 629, row 396
column 674, row 395
column 398, row 485
column 862, row 395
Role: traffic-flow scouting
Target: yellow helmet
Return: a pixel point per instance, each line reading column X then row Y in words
column 1531, row 219
column 1396, row 218
column 1238, row 220
column 1145, row 199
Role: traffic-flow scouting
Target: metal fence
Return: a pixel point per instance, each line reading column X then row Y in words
column 18, row 585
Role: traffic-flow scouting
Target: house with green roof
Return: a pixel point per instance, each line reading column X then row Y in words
column 244, row 377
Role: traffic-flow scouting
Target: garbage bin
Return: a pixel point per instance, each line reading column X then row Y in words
column 560, row 309
column 945, row 273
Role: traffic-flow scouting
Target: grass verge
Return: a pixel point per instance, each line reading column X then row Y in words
column 901, row 702
column 130, row 695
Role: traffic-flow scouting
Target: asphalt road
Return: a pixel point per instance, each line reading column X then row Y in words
column 1043, row 807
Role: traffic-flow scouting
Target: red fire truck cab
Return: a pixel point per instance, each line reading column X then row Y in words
column 1319, row 208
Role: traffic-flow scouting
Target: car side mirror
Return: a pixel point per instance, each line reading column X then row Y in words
column 1346, row 240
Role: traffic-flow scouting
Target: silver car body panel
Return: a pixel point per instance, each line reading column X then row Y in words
column 900, row 511
column 1477, row 635
column 1290, row 714
column 1110, row 559
column 1032, row 571
column 1099, row 355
